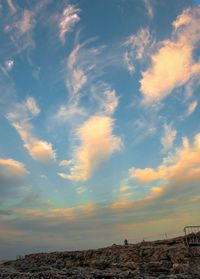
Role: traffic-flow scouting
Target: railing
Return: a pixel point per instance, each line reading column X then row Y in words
column 192, row 236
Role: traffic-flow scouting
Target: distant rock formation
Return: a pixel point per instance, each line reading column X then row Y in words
column 162, row 259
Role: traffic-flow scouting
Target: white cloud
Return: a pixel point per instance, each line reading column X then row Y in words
column 81, row 67
column 111, row 102
column 139, row 44
column 145, row 126
column 138, row 47
column 11, row 6
column 128, row 59
column 69, row 17
column 149, row 7
column 97, row 143
column 20, row 119
column 65, row 163
column 69, row 111
column 77, row 69
column 20, row 29
column 105, row 97
column 9, row 65
column 174, row 59
column 79, row 79
column 168, row 138
column 81, row 73
column 31, row 105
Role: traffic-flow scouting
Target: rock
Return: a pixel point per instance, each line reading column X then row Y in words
column 167, row 259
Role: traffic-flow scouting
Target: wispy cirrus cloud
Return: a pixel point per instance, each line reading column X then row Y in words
column 83, row 66
column 20, row 30
column 97, row 143
column 82, row 70
column 69, row 111
column 26, row 23
column 149, row 7
column 192, row 107
column 138, row 48
column 7, row 66
column 105, row 97
column 69, row 17
column 146, row 125
column 174, row 59
column 168, row 138
column 11, row 6
column 20, row 119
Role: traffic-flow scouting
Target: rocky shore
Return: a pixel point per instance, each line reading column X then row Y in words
column 166, row 259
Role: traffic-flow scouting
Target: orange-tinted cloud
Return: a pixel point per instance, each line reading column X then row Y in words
column 12, row 168
column 173, row 65
column 20, row 119
column 68, row 213
column 97, row 145
column 192, row 107
column 124, row 188
column 124, row 203
column 146, row 175
column 183, row 166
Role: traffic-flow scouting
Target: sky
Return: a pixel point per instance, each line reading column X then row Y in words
column 99, row 122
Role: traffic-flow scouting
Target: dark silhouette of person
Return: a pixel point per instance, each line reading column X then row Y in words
column 125, row 242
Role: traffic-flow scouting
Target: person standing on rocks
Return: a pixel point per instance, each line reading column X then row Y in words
column 125, row 242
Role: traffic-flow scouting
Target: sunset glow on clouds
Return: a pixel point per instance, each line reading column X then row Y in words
column 174, row 59
column 12, row 168
column 99, row 122
column 19, row 118
column 97, row 145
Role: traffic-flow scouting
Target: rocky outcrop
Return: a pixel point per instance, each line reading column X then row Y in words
column 167, row 259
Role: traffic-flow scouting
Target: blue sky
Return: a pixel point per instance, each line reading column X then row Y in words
column 99, row 123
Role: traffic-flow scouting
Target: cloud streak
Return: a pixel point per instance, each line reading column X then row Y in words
column 11, row 6
column 20, row 119
column 168, row 138
column 138, row 48
column 192, row 107
column 82, row 69
column 105, row 98
column 149, row 7
column 69, row 17
column 20, row 30
column 10, row 168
